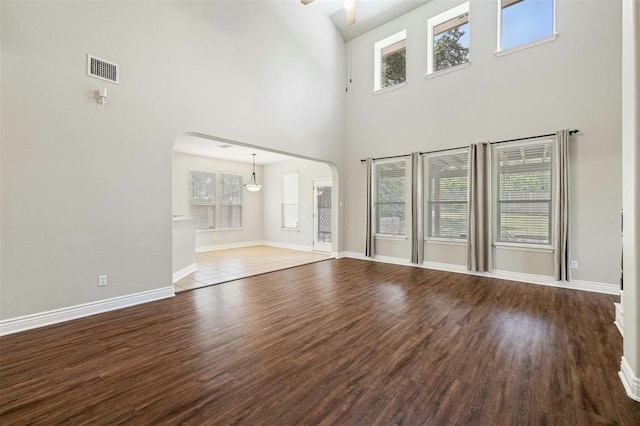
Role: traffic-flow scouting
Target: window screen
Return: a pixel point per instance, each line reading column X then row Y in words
column 390, row 205
column 524, row 193
column 448, row 195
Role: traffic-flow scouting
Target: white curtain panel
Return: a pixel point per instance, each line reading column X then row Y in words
column 417, row 226
column 561, row 214
column 369, row 249
column 478, row 225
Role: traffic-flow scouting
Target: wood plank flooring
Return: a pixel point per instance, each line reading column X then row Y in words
column 336, row 342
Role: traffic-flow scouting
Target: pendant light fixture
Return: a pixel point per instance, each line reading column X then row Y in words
column 252, row 185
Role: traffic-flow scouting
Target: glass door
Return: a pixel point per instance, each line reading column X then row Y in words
column 322, row 215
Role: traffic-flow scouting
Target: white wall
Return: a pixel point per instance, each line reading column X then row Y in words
column 272, row 200
column 86, row 190
column 251, row 201
column 571, row 82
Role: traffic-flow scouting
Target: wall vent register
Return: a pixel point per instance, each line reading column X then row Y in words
column 102, row 69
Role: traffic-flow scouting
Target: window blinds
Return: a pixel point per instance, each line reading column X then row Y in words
column 448, row 195
column 524, row 193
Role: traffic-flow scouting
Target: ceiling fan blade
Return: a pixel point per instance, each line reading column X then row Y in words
column 306, row 1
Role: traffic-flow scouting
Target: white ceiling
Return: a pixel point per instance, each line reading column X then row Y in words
column 204, row 147
column 369, row 13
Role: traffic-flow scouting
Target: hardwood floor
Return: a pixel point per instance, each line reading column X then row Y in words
column 335, row 342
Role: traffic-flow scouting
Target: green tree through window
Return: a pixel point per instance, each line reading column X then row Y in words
column 448, row 50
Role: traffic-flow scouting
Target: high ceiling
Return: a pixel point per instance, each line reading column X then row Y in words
column 369, row 13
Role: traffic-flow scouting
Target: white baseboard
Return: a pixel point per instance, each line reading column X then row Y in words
column 301, row 247
column 202, row 249
column 619, row 321
column 287, row 246
column 28, row 322
column 505, row 275
column 630, row 381
column 178, row 275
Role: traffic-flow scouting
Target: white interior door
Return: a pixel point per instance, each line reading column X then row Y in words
column 322, row 215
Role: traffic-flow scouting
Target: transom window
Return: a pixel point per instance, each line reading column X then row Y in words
column 390, row 61
column 390, row 197
column 448, row 186
column 448, row 39
column 525, row 21
column 524, row 200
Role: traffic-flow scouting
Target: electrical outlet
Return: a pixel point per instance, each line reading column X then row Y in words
column 102, row 280
column 574, row 264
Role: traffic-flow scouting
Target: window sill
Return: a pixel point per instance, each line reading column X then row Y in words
column 527, row 45
column 206, row 230
column 524, row 247
column 391, row 237
column 449, row 241
column 447, row 70
column 388, row 89
column 290, row 229
column 230, row 229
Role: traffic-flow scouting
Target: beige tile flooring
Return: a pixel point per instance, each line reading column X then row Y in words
column 218, row 266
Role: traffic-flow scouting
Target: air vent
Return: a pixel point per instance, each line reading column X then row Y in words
column 102, row 69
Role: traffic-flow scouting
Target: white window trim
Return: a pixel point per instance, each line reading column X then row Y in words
column 505, row 245
column 377, row 60
column 460, row 241
column 542, row 248
column 450, row 241
column 437, row 20
column 525, row 46
column 448, row 70
column 407, row 197
column 215, row 199
column 501, row 52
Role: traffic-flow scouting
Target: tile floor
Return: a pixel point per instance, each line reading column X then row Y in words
column 215, row 267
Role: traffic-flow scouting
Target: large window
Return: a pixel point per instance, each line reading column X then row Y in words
column 525, row 21
column 290, row 200
column 390, row 197
column 216, row 200
column 390, row 61
column 448, row 39
column 523, row 185
column 203, row 199
column 448, row 186
column 230, row 201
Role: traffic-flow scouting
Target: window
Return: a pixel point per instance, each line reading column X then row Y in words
column 390, row 197
column 390, row 61
column 203, row 197
column 523, row 185
column 524, row 21
column 290, row 200
column 230, row 201
column 448, row 195
column 448, row 39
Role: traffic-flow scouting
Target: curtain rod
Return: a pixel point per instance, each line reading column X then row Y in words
column 571, row 132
